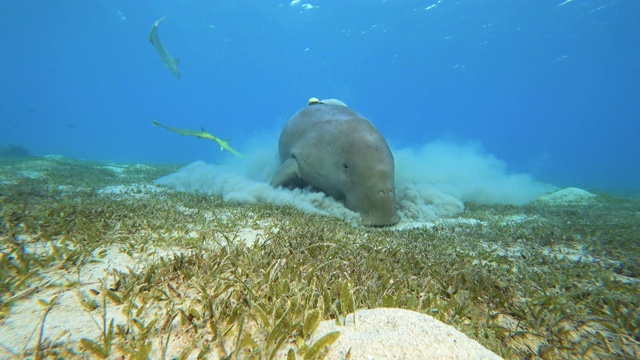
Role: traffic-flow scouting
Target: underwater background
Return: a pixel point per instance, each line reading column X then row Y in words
column 500, row 115
column 550, row 89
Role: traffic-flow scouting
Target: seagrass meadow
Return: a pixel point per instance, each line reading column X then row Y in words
column 97, row 262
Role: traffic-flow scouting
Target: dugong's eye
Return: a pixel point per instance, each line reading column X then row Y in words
column 345, row 166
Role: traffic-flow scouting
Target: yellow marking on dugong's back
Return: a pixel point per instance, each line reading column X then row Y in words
column 224, row 145
column 170, row 62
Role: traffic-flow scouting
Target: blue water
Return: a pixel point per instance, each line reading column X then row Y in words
column 552, row 88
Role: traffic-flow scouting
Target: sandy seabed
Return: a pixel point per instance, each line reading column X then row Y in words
column 98, row 261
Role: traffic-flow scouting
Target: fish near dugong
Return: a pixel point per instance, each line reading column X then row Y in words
column 170, row 62
column 331, row 147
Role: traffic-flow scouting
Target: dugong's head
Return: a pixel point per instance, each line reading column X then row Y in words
column 367, row 169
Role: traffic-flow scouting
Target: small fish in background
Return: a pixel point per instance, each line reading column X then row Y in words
column 170, row 62
column 224, row 144
column 121, row 15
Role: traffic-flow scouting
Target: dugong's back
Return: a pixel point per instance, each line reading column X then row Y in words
column 308, row 121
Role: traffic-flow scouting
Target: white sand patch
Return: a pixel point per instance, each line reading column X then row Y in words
column 4, row 181
column 118, row 169
column 206, row 214
column 568, row 196
column 406, row 225
column 517, row 219
column 32, row 174
column 68, row 319
column 389, row 333
column 68, row 189
column 250, row 236
column 625, row 279
column 577, row 253
column 54, row 157
column 133, row 190
column 259, row 232
column 455, row 222
column 186, row 210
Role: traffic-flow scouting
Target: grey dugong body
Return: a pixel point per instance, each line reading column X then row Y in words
column 336, row 150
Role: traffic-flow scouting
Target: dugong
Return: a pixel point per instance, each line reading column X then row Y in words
column 331, row 147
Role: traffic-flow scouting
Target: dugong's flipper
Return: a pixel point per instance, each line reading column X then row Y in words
column 170, row 62
column 287, row 173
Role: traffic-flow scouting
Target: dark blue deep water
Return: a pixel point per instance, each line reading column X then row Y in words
column 552, row 88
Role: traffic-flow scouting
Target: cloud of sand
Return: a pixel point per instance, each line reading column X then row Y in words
column 432, row 181
column 436, row 179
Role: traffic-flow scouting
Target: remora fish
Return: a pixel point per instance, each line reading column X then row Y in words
column 170, row 62
column 224, row 145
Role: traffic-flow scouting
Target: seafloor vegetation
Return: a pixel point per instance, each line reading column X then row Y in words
column 211, row 277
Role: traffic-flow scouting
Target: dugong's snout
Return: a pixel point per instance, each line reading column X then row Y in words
column 380, row 210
